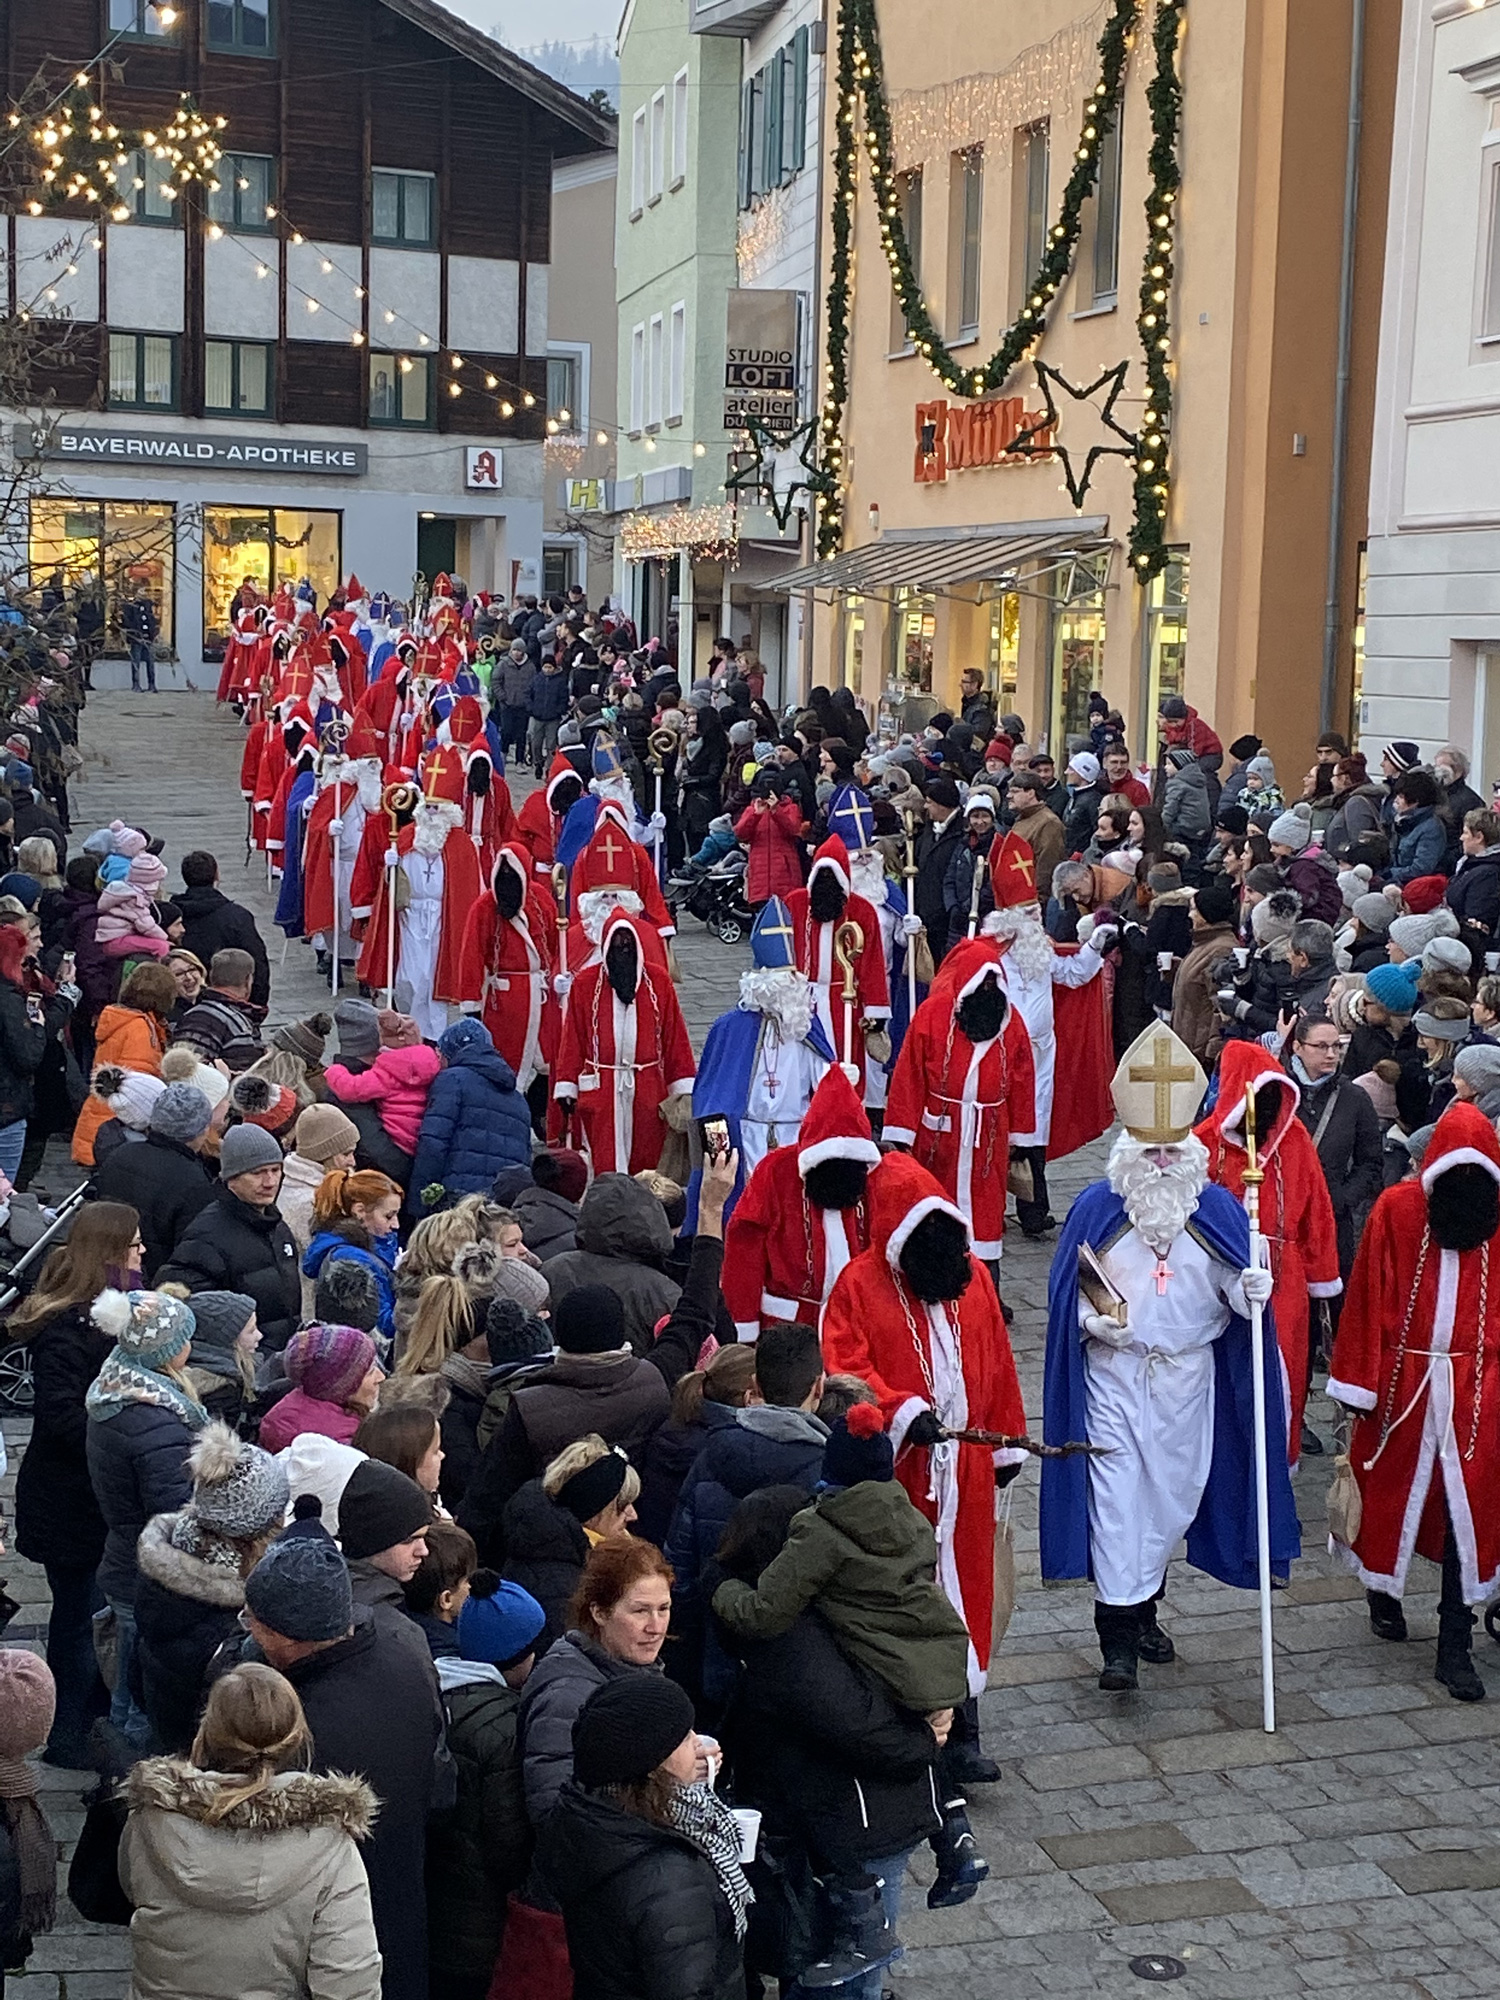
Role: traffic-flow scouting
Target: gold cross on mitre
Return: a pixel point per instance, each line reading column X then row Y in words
column 609, row 847
column 1158, row 1087
column 1023, row 864
column 434, row 769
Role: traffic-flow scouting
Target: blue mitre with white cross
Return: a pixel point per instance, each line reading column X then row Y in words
column 771, row 941
column 852, row 818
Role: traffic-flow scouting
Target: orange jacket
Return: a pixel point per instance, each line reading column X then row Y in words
column 127, row 1038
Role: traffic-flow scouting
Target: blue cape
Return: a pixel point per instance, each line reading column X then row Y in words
column 722, row 1087
column 1222, row 1539
column 299, row 803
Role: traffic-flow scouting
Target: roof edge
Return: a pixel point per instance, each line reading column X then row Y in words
column 598, row 128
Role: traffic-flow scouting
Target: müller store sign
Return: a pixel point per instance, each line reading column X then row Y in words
column 956, row 437
column 197, row 451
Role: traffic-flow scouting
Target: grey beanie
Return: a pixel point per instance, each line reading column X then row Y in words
column 1376, row 912
column 1448, row 954
column 1479, row 1066
column 359, row 1030
column 300, row 1587
column 182, row 1112
column 219, row 1318
column 245, row 1148
column 1438, row 1030
column 239, row 1491
column 1289, row 829
column 1412, row 934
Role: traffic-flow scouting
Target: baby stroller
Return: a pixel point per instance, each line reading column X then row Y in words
column 32, row 1231
column 716, row 897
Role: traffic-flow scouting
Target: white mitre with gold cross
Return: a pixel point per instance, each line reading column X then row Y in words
column 1158, row 1087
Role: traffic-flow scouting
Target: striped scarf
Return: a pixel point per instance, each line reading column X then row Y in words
column 706, row 1821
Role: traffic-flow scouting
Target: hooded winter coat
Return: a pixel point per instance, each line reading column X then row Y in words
column 376, row 1254
column 272, row 1903
column 185, row 1608
column 230, row 1246
column 670, row 1457
column 623, row 1241
column 1315, row 878
column 476, row 1122
column 397, row 1083
column 549, row 1224
column 128, row 1038
column 1186, row 806
column 480, row 1852
column 57, row 1517
column 541, row 1546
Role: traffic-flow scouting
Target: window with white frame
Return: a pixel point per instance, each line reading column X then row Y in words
column 638, row 162
column 967, row 199
column 677, row 362
column 654, row 373
column 1489, row 295
column 1106, row 257
column 638, row 376
column 658, row 145
column 679, row 127
column 773, row 121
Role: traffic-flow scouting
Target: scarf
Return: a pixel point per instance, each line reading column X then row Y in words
column 706, row 1821
column 34, row 1843
column 123, row 1381
column 470, row 1378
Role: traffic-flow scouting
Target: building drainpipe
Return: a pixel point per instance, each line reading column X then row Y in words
column 1329, row 691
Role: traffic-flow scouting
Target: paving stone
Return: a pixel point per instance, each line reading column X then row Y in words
column 1088, row 1767
column 1456, row 1722
column 1352, row 1701
column 1322, row 1887
column 1357, row 1738
column 1446, row 1868
column 1229, row 1749
column 1238, row 1833
column 1175, row 1902
column 1155, row 1841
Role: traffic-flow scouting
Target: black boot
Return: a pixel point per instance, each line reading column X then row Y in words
column 1152, row 1644
column 1455, row 1660
column 960, row 1866
column 962, row 1762
column 1387, row 1619
column 1119, row 1629
column 863, row 1940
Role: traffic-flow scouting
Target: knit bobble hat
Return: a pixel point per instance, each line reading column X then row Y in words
column 245, row 1148
column 1479, row 1066
column 146, row 873
column 149, row 1327
column 184, row 1065
column 239, row 1491
column 590, row 1320
column 1290, row 829
column 858, row 1448
column 1375, row 912
column 328, row 1363
column 258, row 1101
column 181, row 1112
column 1448, row 955
column 28, row 1701
column 300, row 1587
column 1215, row 902
column 561, row 1170
column 128, row 840
column 323, row 1132
column 513, row 1335
column 500, row 1622
column 1394, row 986
column 514, row 1278
column 304, row 1038
column 1412, row 935
column 629, row 1727
column 380, row 1506
column 131, row 1094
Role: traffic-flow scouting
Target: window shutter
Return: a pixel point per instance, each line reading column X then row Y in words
column 747, row 141
column 771, row 175
column 796, row 150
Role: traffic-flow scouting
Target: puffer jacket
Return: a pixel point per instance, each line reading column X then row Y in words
column 138, row 1467
column 185, row 1608
column 341, row 1242
column 476, row 1122
column 623, row 1241
column 1186, row 807
column 57, row 1517
column 1420, row 845
column 165, row 1181
column 670, row 1457
column 571, row 1669
column 549, row 1224
column 271, row 1902
column 229, row 1246
column 481, row 1851
column 1474, row 898
column 397, row 1083
column 540, row 1546
column 1315, row 877
column 127, row 1038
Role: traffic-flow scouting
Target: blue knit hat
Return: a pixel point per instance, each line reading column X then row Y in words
column 1394, row 986
column 149, row 1328
column 500, row 1622
column 858, row 1448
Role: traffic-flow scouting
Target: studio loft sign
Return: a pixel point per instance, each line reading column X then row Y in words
column 196, row 451
column 954, row 437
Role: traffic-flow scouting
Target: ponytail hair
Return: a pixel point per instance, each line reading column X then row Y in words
column 339, row 1190
column 253, row 1727
column 726, row 1380
column 443, row 1322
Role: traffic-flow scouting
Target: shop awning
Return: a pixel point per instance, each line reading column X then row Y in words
column 928, row 559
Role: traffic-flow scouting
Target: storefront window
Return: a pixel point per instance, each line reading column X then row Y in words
column 118, row 544
column 914, row 624
column 1076, row 656
column 270, row 546
column 852, row 656
column 1165, row 639
column 1005, row 648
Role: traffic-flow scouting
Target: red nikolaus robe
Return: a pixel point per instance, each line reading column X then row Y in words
column 618, row 1065
column 460, row 891
column 269, row 773
column 1420, row 1364
column 385, row 708
column 276, row 819
column 507, row 968
column 1296, row 1214
column 954, row 1359
column 642, row 869
column 239, row 674
column 255, row 743
column 814, row 948
column 782, row 1255
column 317, row 858
column 955, row 1102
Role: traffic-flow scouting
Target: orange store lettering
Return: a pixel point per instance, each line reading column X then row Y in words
column 955, row 437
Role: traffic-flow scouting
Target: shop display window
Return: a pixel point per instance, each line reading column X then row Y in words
column 116, row 545
column 270, row 546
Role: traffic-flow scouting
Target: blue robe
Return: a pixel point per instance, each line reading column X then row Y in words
column 1222, row 1538
column 722, row 1086
column 578, row 828
column 299, row 803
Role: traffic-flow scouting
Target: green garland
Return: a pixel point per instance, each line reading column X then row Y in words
column 1148, row 548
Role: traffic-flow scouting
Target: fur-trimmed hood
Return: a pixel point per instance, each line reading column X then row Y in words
column 294, row 1802
column 186, row 1575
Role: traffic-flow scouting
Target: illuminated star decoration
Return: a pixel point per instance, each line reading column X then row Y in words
column 1033, row 441
column 756, row 475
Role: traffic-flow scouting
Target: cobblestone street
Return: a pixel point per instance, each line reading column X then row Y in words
column 1357, row 1848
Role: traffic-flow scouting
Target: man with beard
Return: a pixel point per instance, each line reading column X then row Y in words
column 624, row 1052
column 540, row 820
column 965, row 1080
column 1417, row 1362
column 762, row 1060
column 802, row 1215
column 852, row 818
column 440, row 868
column 509, row 950
column 816, row 913
column 1153, row 1363
column 916, row 1316
column 349, row 788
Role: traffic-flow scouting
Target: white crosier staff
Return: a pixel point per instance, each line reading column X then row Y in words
column 333, row 737
column 910, row 872
column 976, row 894
column 1254, row 1175
column 848, row 943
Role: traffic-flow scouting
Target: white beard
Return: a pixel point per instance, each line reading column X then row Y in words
column 1031, row 950
column 597, row 906
column 433, row 823
column 1158, row 1200
column 783, row 994
column 368, row 777
column 867, row 873
column 618, row 792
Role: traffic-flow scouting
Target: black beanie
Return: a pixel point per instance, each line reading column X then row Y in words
column 1214, row 902
column 630, row 1726
column 378, row 1508
column 858, row 1448
column 942, row 792
column 1233, row 819
column 590, row 1320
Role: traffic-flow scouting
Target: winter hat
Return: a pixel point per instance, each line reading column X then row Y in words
column 742, row 734
column 1439, row 1027
column 469, row 1034
column 1354, row 883
column 148, row 1327
column 515, row 1279
column 100, row 843
column 1376, row 912
column 300, row 1587
column 1479, row 1066
column 304, row 1038
column 1180, row 756
column 28, row 1702
column 1174, row 709
column 131, row 1094
column 381, row 1506
column 1289, row 829
column 942, row 792
column 1424, row 894
column 113, row 868
column 590, row 1491
column 513, row 1335
column 1273, row 917
column 1394, row 986
column 239, row 1491
column 500, row 1622
column 1262, row 768
column 1163, row 878
column 127, row 840
column 359, row 1030
column 258, row 1101
column 628, row 1727
column 327, row 1362
column 26, row 889
column 980, row 799
column 590, row 1320
column 1412, row 935
column 1403, row 753
column 318, row 1469
column 146, row 873
column 1215, row 902
column 323, row 1131
column 509, row 1184
column 181, row 1112
column 1416, row 1144
column 1086, row 764
column 1244, row 747
column 1353, row 767
column 858, row 1448
column 185, row 1065
column 219, row 1320
column 999, row 750
column 245, row 1148
column 1233, row 820
column 1447, row 954
column 1013, row 727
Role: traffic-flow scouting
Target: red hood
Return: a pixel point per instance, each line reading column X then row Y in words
column 1243, row 1066
column 901, row 1194
column 835, row 856
column 513, row 855
column 1463, row 1137
column 836, row 1126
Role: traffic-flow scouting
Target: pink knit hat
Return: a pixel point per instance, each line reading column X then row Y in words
column 28, row 1699
column 147, row 872
column 129, row 840
column 329, row 1362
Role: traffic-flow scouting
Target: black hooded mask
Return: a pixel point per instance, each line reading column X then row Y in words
column 935, row 1258
column 981, row 1014
column 565, row 795
column 510, row 890
column 622, row 966
column 836, row 1183
column 1463, row 1206
column 826, row 897
column 1269, row 1098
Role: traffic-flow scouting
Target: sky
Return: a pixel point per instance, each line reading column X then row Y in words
column 522, row 23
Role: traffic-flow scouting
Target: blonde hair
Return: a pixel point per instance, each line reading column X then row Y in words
column 578, row 1457
column 442, row 1323
column 37, row 857
column 253, row 1727
column 437, row 1239
column 288, row 1072
column 726, row 1380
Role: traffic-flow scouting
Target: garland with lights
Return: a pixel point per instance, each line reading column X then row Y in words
column 80, row 155
column 1148, row 548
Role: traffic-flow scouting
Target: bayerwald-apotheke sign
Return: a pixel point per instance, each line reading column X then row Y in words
column 197, row 451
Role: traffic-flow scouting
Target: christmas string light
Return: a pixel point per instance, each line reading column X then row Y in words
column 83, row 157
column 1152, row 486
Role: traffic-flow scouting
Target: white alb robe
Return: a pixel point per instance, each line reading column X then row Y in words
column 421, row 933
column 783, row 1076
column 1033, row 1001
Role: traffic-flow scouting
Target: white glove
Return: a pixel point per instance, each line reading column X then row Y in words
column 1103, row 935
column 912, row 926
column 562, row 985
column 336, row 828
column 1104, row 1328
column 1256, row 1285
column 392, row 858
column 657, row 823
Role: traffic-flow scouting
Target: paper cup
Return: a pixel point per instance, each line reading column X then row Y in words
column 747, row 1819
column 1242, row 956
column 1164, row 961
column 1492, row 961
